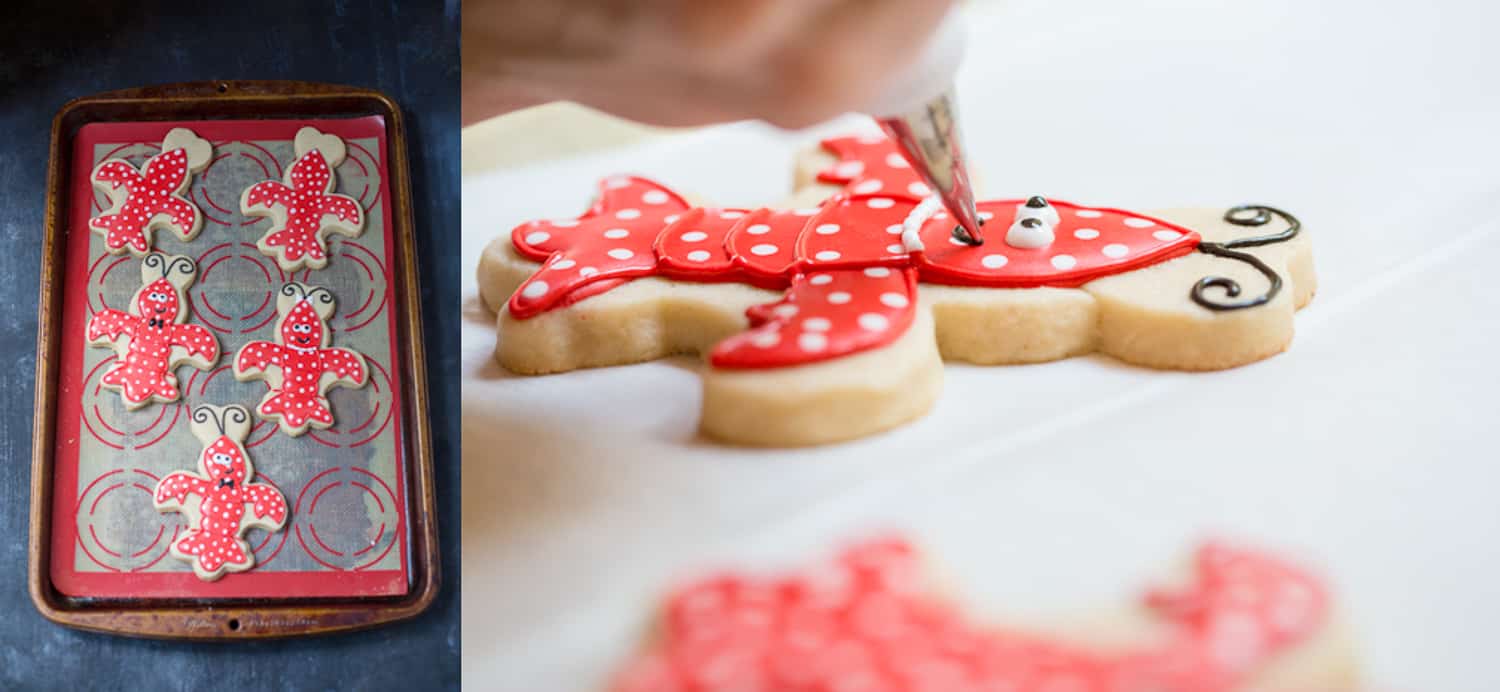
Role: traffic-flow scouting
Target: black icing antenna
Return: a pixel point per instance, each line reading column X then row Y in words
column 1244, row 215
column 236, row 414
column 296, row 290
column 159, row 262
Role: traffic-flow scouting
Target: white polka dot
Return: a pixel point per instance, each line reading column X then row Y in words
column 894, row 300
column 874, row 322
column 895, row 160
column 1115, row 250
column 537, row 237
column 820, row 279
column 731, row 214
column 817, row 324
column 654, row 197
column 1089, row 213
column 919, row 189
column 563, row 264
column 827, row 229
column 620, row 253
column 1086, row 234
column 812, row 341
column 617, row 182
column 628, row 214
column 1139, row 223
column 565, row 223
column 758, row 229
column 868, row 186
column 694, row 236
column 671, row 218
column 698, row 255
column 766, row 339
column 877, row 272
column 839, row 297
column 986, row 215
column 1064, row 261
column 763, row 249
column 535, row 289
column 849, row 169
column 895, row 229
column 804, row 212
column 827, row 255
column 1165, row 235
column 616, row 233
column 895, row 248
column 880, row 203
column 994, row 261
column 784, row 310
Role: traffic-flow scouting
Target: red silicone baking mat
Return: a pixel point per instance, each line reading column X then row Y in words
column 347, row 535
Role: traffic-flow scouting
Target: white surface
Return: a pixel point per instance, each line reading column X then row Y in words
column 1366, row 449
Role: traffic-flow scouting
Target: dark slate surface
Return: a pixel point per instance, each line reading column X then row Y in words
column 51, row 52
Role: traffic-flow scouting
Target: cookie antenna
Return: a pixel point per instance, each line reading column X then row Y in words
column 324, row 295
column 189, row 267
column 1258, row 215
column 294, row 290
column 204, row 414
column 158, row 262
column 236, row 414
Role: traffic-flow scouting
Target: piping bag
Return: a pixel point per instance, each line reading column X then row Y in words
column 918, row 111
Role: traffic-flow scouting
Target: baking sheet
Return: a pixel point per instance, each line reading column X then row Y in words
column 346, row 535
column 1365, row 450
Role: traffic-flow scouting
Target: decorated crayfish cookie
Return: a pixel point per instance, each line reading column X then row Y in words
column 1232, row 620
column 303, row 207
column 300, row 367
column 221, row 501
column 830, row 319
column 151, row 339
column 144, row 200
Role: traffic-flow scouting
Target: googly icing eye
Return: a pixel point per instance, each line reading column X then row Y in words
column 220, row 458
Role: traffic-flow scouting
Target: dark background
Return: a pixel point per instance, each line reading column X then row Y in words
column 51, row 52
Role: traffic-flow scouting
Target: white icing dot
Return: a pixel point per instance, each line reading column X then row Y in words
column 1139, row 223
column 758, row 229
column 616, row 233
column 820, row 279
column 766, row 339
column 698, row 255
column 877, row 272
column 1166, row 235
column 919, row 189
column 893, row 300
column 1089, row 213
column 1086, row 234
column 874, row 322
column 895, row 160
column 617, row 182
column 1115, row 250
column 563, row 263
column 537, row 237
column 827, row 229
column 628, row 214
column 867, row 187
column 827, row 255
column 849, row 169
column 535, row 289
column 895, row 248
column 804, row 212
column 654, row 197
column 812, row 341
column 1064, row 261
column 671, row 218
column 880, row 202
column 986, row 215
column 817, row 324
column 895, row 229
column 731, row 214
column 565, row 223
column 784, row 310
column 620, row 253
column 994, row 261
column 839, row 297
column 763, row 249
column 694, row 236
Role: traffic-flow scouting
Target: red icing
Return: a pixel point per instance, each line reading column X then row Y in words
column 825, row 314
column 622, row 238
column 155, row 192
column 865, row 623
column 303, row 360
column 217, row 541
column 306, row 201
column 153, row 330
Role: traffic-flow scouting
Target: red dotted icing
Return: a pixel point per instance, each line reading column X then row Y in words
column 306, row 201
column 152, row 331
column 303, row 361
column 216, row 543
column 864, row 623
column 148, row 195
column 626, row 235
column 826, row 314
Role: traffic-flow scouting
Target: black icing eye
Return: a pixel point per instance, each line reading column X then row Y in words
column 1036, row 202
column 1031, row 222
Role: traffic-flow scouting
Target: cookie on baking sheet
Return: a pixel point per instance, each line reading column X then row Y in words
column 152, row 339
column 220, row 501
column 303, row 208
column 1236, row 620
column 830, row 319
column 144, row 200
column 300, row 367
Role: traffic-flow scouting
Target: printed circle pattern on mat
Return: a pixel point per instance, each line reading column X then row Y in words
column 135, row 537
column 253, row 279
column 107, row 420
column 361, row 415
column 347, row 519
column 352, row 265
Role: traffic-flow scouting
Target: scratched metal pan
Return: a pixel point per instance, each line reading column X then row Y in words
column 359, row 547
